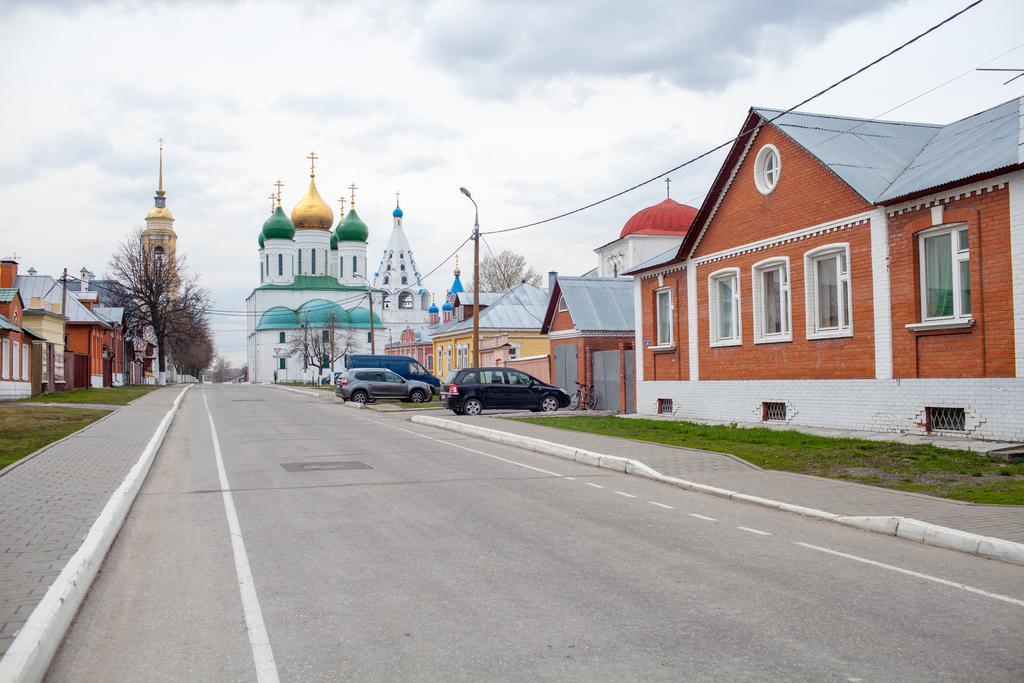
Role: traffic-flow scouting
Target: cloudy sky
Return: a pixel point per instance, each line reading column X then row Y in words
column 536, row 106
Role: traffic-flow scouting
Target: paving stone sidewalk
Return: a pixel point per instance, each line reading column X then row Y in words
column 49, row 502
column 832, row 495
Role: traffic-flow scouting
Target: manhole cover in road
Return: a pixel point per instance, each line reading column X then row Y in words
column 329, row 465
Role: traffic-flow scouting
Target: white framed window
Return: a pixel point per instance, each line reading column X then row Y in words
column 513, row 351
column 767, row 169
column 6, row 369
column 663, row 317
column 300, row 262
column 827, row 292
column 945, row 260
column 24, row 362
column 16, row 361
column 772, row 310
column 562, row 307
column 725, row 322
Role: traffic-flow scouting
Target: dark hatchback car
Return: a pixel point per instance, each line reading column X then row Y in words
column 471, row 390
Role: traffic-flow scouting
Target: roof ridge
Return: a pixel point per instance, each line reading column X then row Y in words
column 848, row 118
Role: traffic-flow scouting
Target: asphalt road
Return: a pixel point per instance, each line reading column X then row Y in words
column 449, row 558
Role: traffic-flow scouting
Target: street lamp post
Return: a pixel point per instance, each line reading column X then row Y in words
column 476, row 279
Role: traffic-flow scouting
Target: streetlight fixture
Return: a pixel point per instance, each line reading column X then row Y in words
column 476, row 279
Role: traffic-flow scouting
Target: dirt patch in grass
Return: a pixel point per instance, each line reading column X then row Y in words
column 921, row 468
column 118, row 396
column 26, row 429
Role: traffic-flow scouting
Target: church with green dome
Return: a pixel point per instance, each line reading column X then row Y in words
column 313, row 280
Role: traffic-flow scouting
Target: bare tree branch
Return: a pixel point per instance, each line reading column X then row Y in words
column 504, row 270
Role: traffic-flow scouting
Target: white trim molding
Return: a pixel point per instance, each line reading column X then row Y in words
column 713, row 339
column 881, row 294
column 956, row 324
column 1017, row 260
column 692, row 331
column 845, row 304
column 757, row 273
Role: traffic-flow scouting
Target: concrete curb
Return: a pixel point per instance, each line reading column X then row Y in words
column 353, row 404
column 306, row 392
column 902, row 527
column 29, row 656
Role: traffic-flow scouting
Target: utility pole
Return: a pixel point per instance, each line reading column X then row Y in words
column 63, row 299
column 475, row 362
column 373, row 336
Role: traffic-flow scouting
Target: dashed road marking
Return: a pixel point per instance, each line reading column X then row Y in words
column 908, row 572
column 754, row 531
column 623, row 493
column 596, row 486
column 661, row 505
column 706, row 519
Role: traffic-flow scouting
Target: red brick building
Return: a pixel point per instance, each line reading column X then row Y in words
column 848, row 273
column 15, row 339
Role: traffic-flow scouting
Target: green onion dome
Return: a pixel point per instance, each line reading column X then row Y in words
column 278, row 318
column 319, row 313
column 261, row 239
column 352, row 229
column 334, row 242
column 278, row 226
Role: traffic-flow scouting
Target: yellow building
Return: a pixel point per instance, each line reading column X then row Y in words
column 159, row 238
column 510, row 323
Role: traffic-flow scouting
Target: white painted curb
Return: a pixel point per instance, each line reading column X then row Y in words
column 28, row 657
column 353, row 404
column 307, row 392
column 903, row 527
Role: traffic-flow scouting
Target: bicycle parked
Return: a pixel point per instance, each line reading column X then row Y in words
column 584, row 396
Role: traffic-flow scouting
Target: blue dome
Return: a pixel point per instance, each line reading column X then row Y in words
column 447, row 306
column 432, row 309
column 397, row 213
column 278, row 318
column 360, row 317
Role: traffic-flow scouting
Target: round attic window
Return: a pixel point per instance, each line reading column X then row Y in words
column 767, row 168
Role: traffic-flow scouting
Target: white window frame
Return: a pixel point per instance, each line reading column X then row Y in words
column 24, row 361
column 959, row 318
column 757, row 272
column 6, row 365
column 671, row 341
column 713, row 279
column 562, row 307
column 811, row 259
column 15, row 360
column 766, row 184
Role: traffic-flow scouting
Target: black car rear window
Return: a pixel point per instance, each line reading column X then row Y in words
column 470, row 378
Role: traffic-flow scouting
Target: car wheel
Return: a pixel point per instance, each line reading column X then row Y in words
column 417, row 396
column 472, row 407
column 360, row 397
column 549, row 404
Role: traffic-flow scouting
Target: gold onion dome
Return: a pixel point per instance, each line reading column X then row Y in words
column 312, row 212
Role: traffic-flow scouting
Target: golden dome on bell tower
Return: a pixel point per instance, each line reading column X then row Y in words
column 312, row 212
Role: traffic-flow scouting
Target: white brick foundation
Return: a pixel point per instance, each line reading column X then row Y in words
column 994, row 408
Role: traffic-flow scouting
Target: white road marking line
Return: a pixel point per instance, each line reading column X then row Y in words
column 706, row 519
column 661, row 505
column 623, row 493
column 908, row 572
column 570, row 478
column 259, row 642
column 754, row 531
column 467, row 448
column 596, row 486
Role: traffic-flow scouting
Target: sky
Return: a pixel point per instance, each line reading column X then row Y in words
column 537, row 107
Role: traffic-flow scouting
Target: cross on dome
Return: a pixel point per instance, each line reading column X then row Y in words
column 279, row 185
column 668, row 184
column 353, row 189
column 271, row 198
column 312, row 163
column 341, row 202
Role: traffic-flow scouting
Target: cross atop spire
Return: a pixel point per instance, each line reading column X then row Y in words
column 271, row 198
column 312, row 163
column 353, row 189
column 341, row 201
column 668, row 185
column 279, row 185
column 160, row 186
column 396, row 197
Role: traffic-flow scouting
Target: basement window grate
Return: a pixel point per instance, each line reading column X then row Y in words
column 665, row 406
column 945, row 419
column 774, row 411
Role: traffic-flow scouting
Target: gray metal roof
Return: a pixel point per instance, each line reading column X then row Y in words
column 50, row 291
column 664, row 257
column 486, row 298
column 519, row 308
column 599, row 304
column 882, row 160
column 112, row 314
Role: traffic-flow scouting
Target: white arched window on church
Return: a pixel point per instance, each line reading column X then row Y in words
column 405, row 298
column 387, row 303
column 158, row 255
column 405, row 280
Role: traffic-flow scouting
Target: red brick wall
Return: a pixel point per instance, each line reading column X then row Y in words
column 673, row 364
column 561, row 321
column 807, row 194
column 841, row 358
column 987, row 348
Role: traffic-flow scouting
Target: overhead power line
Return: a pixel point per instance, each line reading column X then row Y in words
column 730, row 141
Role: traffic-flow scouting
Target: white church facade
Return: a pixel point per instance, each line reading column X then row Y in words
column 314, row 279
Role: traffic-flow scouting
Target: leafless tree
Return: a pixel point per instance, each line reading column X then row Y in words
column 321, row 347
column 505, row 269
column 221, row 369
column 156, row 293
column 192, row 348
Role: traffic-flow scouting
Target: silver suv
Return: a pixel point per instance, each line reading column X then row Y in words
column 364, row 385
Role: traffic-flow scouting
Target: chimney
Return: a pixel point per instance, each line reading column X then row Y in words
column 8, row 271
column 32, row 271
column 552, row 277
